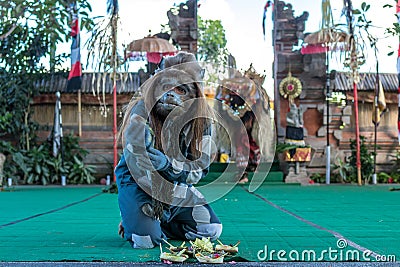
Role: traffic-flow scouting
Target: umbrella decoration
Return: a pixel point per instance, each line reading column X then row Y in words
column 327, row 38
column 324, row 40
column 154, row 47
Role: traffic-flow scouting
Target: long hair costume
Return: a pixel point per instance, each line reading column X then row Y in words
column 184, row 136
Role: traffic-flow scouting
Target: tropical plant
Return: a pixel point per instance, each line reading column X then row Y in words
column 383, row 177
column 57, row 169
column 366, row 159
column 29, row 32
column 282, row 147
column 79, row 172
column 318, row 177
column 212, row 41
column 341, row 169
column 72, row 164
column 39, row 166
column 396, row 162
column 37, row 170
column 394, row 30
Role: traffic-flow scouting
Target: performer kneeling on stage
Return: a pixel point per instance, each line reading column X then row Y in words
column 166, row 138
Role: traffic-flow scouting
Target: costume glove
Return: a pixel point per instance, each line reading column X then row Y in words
column 154, row 160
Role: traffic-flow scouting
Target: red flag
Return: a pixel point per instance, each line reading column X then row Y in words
column 75, row 74
column 267, row 5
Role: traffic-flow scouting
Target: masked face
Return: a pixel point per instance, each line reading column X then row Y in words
column 174, row 98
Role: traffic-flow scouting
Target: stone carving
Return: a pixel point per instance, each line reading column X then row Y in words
column 184, row 24
column 294, row 127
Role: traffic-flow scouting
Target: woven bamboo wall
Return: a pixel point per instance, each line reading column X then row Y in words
column 92, row 115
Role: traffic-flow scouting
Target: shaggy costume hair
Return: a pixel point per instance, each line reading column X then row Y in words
column 180, row 69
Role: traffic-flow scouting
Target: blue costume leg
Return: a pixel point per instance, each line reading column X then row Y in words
column 192, row 222
column 142, row 231
column 139, row 229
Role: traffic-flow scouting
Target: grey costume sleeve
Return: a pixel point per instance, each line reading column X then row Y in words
column 135, row 143
column 191, row 170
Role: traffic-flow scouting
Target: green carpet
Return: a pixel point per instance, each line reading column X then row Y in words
column 80, row 223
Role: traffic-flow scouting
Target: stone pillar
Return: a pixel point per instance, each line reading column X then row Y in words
column 297, row 173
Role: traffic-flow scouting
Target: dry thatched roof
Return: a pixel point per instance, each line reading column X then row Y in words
column 127, row 82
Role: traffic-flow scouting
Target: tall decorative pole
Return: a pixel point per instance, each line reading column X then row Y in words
column 328, row 147
column 327, row 23
column 398, row 74
column 355, row 76
column 112, row 8
column 75, row 75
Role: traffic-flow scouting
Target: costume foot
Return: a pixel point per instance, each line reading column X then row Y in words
column 243, row 180
column 121, row 230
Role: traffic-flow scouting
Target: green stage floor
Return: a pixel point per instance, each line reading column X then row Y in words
column 306, row 223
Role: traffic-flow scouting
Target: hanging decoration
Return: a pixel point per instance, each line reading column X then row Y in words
column 337, row 98
column 75, row 75
column 290, row 87
column 267, row 5
column 328, row 38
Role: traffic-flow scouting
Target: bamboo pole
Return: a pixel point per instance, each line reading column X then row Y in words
column 354, row 68
column 358, row 160
column 79, row 113
column 114, row 75
column 376, row 110
column 328, row 148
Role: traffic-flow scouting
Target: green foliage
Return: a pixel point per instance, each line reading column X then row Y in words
column 212, row 41
column 362, row 36
column 383, row 177
column 395, row 171
column 318, row 178
column 39, row 166
column 15, row 98
column 394, row 30
column 30, row 31
column 396, row 162
column 5, row 121
column 366, row 159
column 341, row 170
column 80, row 173
column 282, row 147
column 74, row 167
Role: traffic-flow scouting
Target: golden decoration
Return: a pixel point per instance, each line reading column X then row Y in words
column 290, row 87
